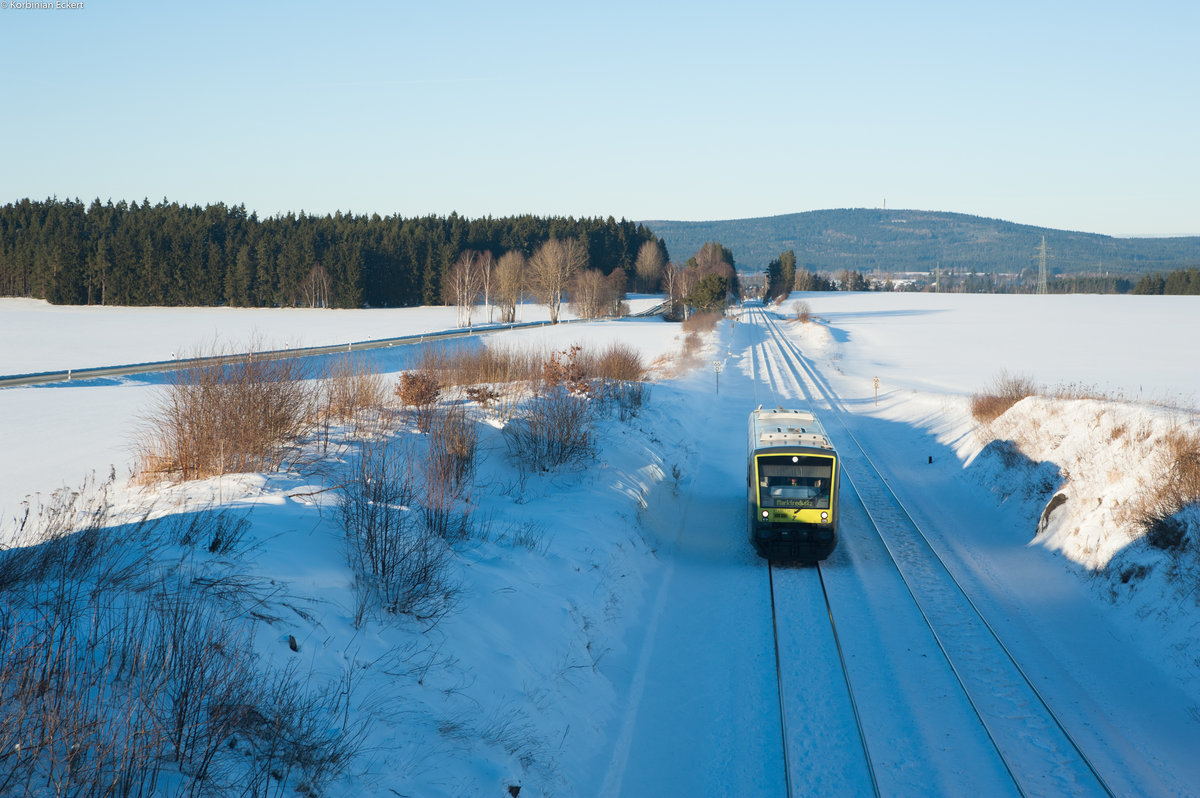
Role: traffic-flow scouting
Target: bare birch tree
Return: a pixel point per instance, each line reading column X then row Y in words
column 590, row 294
column 616, row 293
column 675, row 283
column 510, row 284
column 552, row 268
column 464, row 282
column 486, row 265
column 314, row 290
column 648, row 267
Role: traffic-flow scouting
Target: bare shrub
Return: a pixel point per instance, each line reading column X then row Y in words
column 555, row 429
column 397, row 562
column 482, row 369
column 115, row 665
column 288, row 729
column 569, row 369
column 702, row 322
column 227, row 418
column 350, row 389
column 453, row 441
column 803, row 313
column 449, row 468
column 1003, row 392
column 692, row 344
column 69, row 724
column 630, row 397
column 419, row 391
column 66, row 547
column 620, row 362
column 483, row 395
column 483, row 365
column 207, row 664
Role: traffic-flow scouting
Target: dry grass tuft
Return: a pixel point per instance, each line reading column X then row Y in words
column 1174, row 486
column 1003, row 392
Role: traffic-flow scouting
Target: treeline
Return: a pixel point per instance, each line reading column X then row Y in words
column 1183, row 281
column 181, row 255
column 783, row 276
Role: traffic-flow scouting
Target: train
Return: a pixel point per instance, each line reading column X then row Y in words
column 792, row 479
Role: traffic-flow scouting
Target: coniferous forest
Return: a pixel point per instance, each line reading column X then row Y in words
column 179, row 255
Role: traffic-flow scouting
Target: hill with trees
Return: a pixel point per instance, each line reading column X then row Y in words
column 868, row 240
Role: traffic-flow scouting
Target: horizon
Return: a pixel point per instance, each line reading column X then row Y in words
column 671, row 112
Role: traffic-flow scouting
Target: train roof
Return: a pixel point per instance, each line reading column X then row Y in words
column 780, row 427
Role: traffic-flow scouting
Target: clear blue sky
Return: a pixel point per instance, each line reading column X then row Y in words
column 1077, row 115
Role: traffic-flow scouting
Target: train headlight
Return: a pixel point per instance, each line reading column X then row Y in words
column 824, row 516
column 766, row 514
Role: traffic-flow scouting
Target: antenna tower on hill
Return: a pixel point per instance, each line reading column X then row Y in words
column 1043, row 286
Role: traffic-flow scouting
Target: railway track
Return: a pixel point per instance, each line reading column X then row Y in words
column 996, row 703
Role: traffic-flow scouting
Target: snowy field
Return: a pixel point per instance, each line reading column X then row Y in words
column 40, row 337
column 627, row 649
column 953, row 344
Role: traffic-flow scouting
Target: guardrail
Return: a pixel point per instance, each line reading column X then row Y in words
column 70, row 375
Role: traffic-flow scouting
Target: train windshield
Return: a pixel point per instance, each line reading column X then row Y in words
column 795, row 481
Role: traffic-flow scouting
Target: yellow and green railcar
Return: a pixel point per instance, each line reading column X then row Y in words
column 793, row 480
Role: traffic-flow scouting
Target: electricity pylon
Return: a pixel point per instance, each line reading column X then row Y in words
column 1043, row 286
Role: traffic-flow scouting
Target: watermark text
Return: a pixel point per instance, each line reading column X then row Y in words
column 39, row 5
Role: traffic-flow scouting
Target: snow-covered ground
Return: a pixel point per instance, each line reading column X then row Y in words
column 625, row 648
column 41, row 337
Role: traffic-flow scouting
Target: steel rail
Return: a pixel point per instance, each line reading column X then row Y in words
column 858, row 723
column 787, row 767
